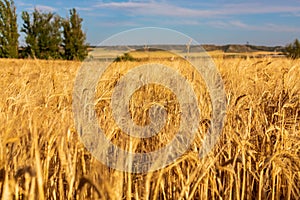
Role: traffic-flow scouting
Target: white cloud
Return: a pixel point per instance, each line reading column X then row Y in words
column 44, row 8
column 188, row 22
column 162, row 8
column 118, row 23
column 281, row 28
column 239, row 24
column 217, row 24
column 296, row 14
column 23, row 4
column 83, row 8
column 31, row 6
column 152, row 8
column 243, row 26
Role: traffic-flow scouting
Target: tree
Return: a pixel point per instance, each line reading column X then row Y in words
column 73, row 37
column 43, row 34
column 31, row 34
column 8, row 30
column 293, row 50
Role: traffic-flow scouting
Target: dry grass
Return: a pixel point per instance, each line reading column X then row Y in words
column 257, row 157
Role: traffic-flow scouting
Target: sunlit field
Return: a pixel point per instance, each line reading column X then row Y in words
column 257, row 155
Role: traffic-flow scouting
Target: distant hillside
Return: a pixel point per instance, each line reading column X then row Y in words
column 229, row 48
column 238, row 48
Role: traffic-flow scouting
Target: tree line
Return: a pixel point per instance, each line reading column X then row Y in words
column 47, row 35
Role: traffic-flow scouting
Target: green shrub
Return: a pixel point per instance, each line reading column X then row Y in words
column 125, row 57
column 293, row 50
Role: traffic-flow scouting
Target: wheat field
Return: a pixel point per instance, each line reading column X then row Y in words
column 257, row 155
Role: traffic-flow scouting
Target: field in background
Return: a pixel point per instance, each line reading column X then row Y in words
column 257, row 156
column 113, row 52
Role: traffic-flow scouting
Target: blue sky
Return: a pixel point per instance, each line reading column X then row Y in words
column 208, row 22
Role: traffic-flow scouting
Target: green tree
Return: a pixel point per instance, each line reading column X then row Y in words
column 8, row 30
column 43, row 34
column 293, row 50
column 73, row 37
